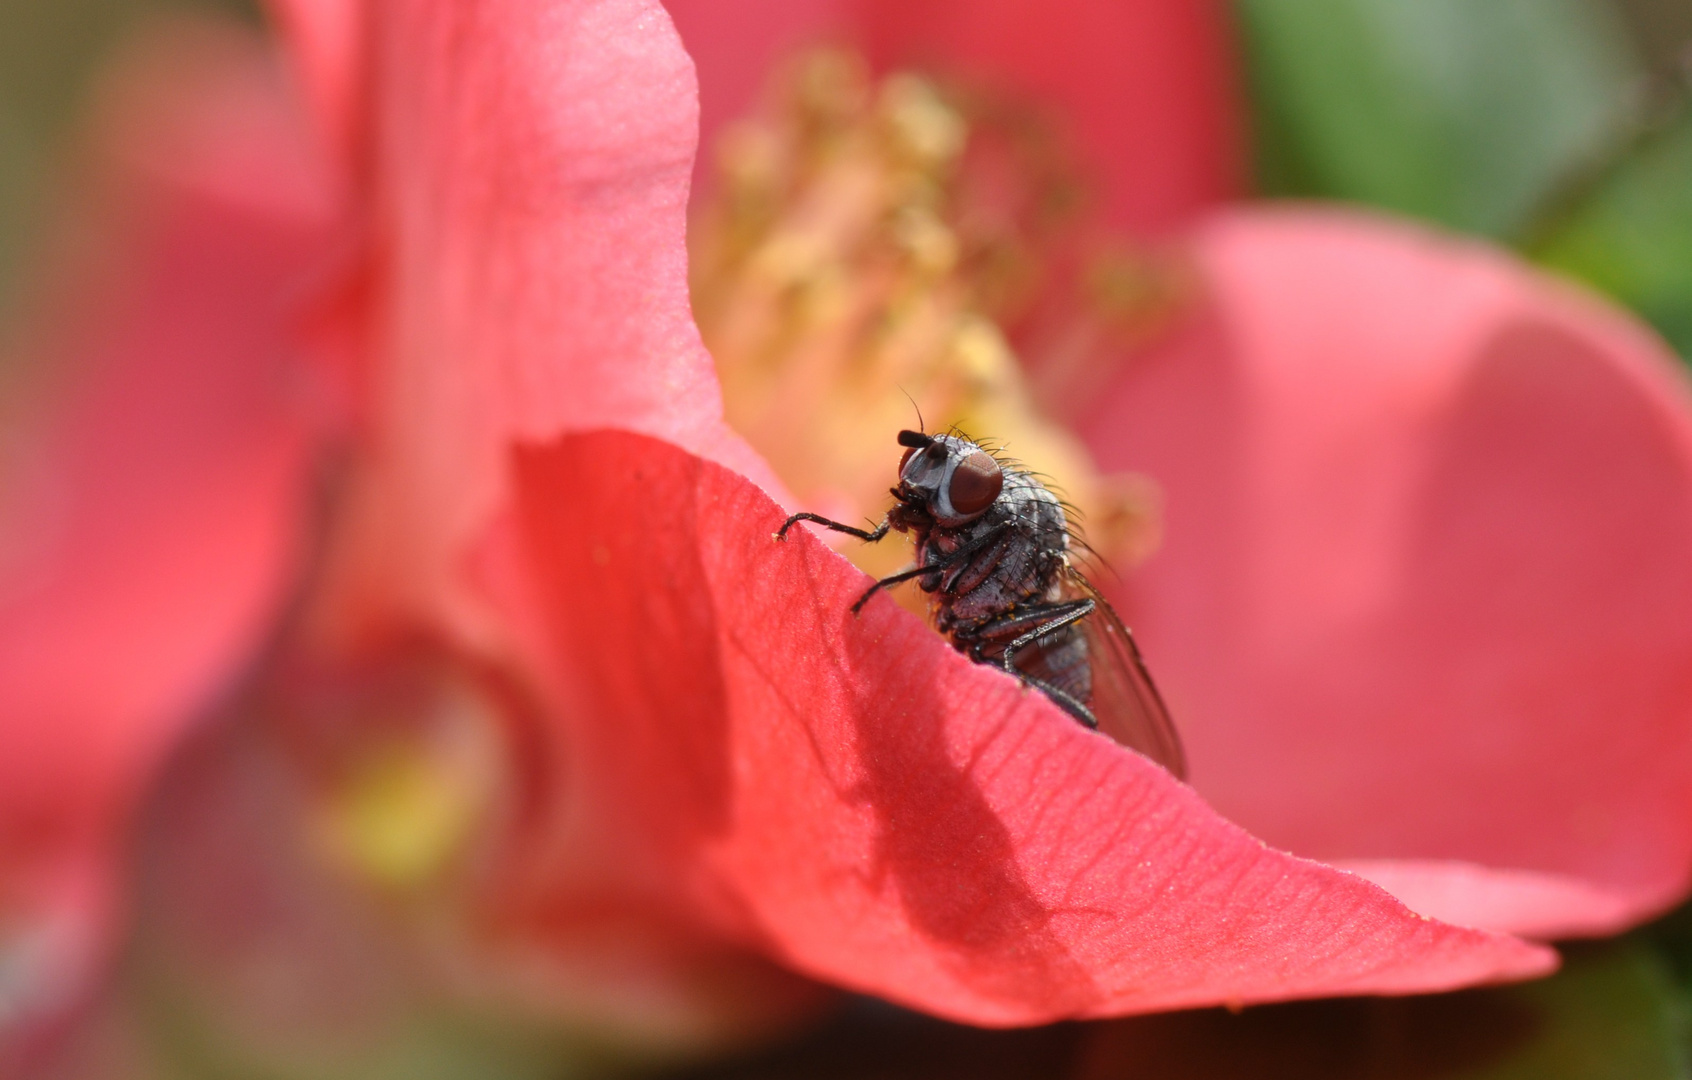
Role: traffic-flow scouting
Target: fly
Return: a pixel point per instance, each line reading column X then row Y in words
column 992, row 549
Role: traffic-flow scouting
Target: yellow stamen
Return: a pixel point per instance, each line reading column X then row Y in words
column 403, row 808
column 839, row 276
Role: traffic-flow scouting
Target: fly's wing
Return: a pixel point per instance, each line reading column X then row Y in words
column 1125, row 700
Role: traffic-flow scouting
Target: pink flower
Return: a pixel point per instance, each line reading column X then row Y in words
column 156, row 476
column 1395, row 636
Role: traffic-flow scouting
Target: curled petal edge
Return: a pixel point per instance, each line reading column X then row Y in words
column 854, row 798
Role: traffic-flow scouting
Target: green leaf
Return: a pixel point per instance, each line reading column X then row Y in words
column 1631, row 236
column 50, row 50
column 1468, row 112
column 1614, row 1012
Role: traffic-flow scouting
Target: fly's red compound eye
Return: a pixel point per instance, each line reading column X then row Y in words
column 905, row 460
column 976, row 482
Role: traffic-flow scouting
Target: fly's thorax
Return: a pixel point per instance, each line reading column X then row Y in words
column 1036, row 510
column 1023, row 534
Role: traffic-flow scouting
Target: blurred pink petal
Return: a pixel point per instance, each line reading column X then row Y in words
column 156, row 497
column 736, row 44
column 1429, row 516
column 328, row 40
column 525, row 202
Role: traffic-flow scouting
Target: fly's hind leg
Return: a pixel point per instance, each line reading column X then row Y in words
column 1063, row 699
column 1040, row 620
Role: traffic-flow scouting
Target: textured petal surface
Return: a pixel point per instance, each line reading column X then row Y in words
column 1144, row 87
column 154, row 484
column 529, row 269
column 1425, row 600
column 855, row 798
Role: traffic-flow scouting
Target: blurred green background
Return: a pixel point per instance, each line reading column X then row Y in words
column 1560, row 128
column 49, row 51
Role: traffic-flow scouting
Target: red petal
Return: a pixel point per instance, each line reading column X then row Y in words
column 856, row 799
column 1147, row 85
column 529, row 195
column 153, row 505
column 1423, row 601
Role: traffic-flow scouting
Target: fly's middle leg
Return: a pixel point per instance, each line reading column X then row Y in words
column 964, row 553
column 1026, row 625
column 891, row 579
column 1056, row 617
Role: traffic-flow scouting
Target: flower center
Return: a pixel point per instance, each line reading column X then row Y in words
column 871, row 249
column 407, row 753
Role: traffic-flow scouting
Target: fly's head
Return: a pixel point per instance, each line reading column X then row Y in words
column 949, row 479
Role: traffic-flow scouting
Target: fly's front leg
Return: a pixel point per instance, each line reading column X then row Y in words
column 870, row 535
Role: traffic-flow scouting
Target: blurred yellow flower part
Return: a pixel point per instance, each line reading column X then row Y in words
column 842, row 288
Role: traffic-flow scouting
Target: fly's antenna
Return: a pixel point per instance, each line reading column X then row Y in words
column 922, row 427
